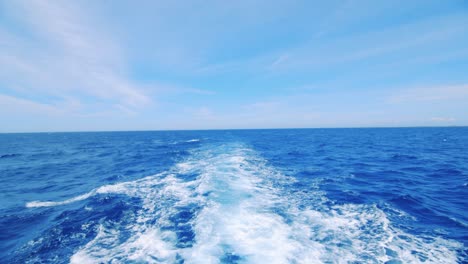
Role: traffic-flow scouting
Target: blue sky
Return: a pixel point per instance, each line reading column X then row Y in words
column 143, row 65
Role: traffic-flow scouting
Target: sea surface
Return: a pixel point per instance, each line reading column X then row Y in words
column 383, row 195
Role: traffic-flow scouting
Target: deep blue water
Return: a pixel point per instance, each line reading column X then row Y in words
column 393, row 195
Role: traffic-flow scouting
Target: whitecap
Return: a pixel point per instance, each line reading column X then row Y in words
column 68, row 201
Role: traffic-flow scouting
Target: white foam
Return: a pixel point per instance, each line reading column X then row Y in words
column 124, row 187
column 185, row 141
column 147, row 243
column 147, row 246
column 239, row 218
column 236, row 219
column 246, row 214
column 68, row 201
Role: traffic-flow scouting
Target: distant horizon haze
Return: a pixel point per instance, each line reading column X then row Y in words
column 233, row 129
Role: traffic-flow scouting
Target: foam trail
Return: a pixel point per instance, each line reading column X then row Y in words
column 247, row 217
column 161, row 195
column 68, row 201
column 148, row 246
column 124, row 187
column 193, row 140
column 238, row 221
column 238, row 209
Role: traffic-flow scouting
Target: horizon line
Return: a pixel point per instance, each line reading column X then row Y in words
column 220, row 129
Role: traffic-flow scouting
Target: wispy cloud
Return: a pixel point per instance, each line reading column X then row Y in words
column 279, row 60
column 443, row 119
column 372, row 45
column 12, row 106
column 70, row 56
column 430, row 94
column 204, row 113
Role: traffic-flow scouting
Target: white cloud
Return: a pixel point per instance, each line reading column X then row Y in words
column 204, row 113
column 319, row 53
column 65, row 56
column 429, row 94
column 264, row 106
column 13, row 106
column 279, row 60
column 443, row 119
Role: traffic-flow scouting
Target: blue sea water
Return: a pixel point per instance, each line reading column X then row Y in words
column 384, row 195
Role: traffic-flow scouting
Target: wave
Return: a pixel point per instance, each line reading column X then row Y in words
column 238, row 209
column 12, row 155
column 68, row 201
column 194, row 140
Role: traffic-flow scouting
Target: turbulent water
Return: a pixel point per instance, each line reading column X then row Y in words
column 238, row 196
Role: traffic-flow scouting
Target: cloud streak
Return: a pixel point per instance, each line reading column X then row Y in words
column 431, row 94
column 70, row 57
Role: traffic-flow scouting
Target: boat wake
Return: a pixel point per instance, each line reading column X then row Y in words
column 226, row 205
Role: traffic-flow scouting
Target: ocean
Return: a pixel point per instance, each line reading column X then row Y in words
column 357, row 195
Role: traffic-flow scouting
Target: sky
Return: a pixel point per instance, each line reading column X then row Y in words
column 162, row 65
